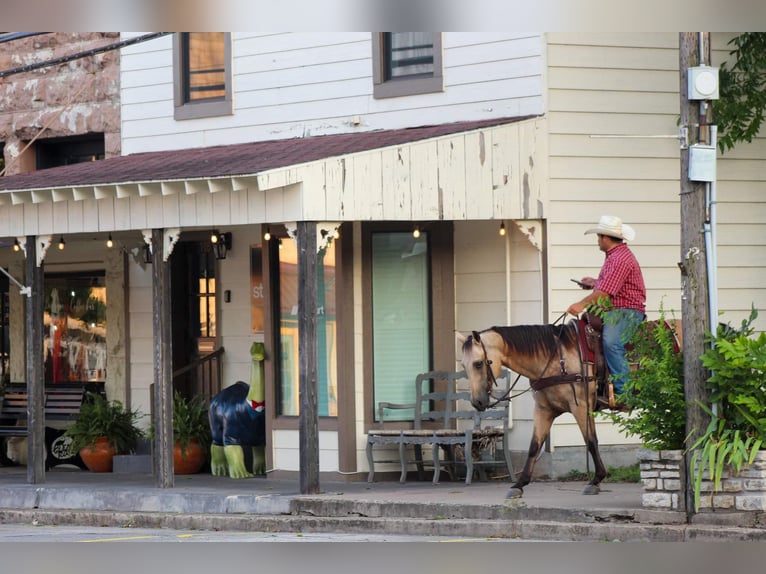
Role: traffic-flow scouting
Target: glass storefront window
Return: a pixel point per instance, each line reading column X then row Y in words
column 401, row 316
column 327, row 397
column 74, row 333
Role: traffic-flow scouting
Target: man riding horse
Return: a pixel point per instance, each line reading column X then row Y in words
column 620, row 290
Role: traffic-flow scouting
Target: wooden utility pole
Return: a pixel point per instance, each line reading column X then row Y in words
column 694, row 278
column 163, row 365
column 35, row 369
column 307, row 351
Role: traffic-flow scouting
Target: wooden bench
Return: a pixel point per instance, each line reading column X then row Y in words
column 62, row 402
column 444, row 419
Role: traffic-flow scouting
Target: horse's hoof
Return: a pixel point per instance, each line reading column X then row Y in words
column 592, row 489
column 514, row 493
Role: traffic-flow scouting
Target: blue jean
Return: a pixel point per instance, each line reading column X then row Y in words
column 619, row 325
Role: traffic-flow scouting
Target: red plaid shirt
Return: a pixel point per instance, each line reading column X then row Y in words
column 621, row 277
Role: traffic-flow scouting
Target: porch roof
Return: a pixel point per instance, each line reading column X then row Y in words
column 84, row 180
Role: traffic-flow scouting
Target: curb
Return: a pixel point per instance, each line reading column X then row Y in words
column 522, row 529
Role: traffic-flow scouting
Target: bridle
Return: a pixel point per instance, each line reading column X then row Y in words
column 492, row 381
column 538, row 383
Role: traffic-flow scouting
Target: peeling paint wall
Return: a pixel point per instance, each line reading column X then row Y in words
column 74, row 98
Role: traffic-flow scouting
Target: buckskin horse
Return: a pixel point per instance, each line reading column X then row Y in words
column 557, row 362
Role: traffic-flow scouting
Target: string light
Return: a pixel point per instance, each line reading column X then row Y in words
column 16, row 245
column 62, row 243
column 267, row 235
column 109, row 242
column 416, row 232
column 502, row 228
column 214, row 237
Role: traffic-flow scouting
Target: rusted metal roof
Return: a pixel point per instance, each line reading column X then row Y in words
column 229, row 160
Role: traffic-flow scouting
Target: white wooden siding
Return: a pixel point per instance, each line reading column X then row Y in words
column 602, row 84
column 299, row 84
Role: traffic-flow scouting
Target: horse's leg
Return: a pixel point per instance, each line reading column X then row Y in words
column 543, row 419
column 588, row 428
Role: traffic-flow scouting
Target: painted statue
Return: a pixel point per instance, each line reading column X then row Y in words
column 237, row 420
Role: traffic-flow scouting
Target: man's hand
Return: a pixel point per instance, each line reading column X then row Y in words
column 576, row 308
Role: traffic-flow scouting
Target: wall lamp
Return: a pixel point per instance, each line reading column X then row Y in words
column 148, row 255
column 221, row 244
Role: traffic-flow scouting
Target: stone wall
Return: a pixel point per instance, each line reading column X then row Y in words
column 663, row 478
column 73, row 98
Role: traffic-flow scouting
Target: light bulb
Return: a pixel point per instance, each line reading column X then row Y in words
column 109, row 242
column 267, row 235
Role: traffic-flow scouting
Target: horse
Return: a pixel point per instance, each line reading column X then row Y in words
column 551, row 357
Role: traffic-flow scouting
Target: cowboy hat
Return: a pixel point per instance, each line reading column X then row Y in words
column 613, row 227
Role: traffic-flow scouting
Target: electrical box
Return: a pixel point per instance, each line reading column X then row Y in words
column 702, row 162
column 703, row 83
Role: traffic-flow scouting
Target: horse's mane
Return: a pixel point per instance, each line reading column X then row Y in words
column 534, row 339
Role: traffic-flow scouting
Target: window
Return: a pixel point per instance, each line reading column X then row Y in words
column 55, row 152
column 287, row 318
column 401, row 315
column 202, row 70
column 74, row 334
column 406, row 63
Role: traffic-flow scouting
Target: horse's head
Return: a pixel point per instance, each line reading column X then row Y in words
column 482, row 362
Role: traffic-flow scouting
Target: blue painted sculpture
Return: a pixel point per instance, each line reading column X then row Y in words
column 237, row 420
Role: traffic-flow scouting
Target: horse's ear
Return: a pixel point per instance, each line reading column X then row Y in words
column 475, row 336
column 460, row 338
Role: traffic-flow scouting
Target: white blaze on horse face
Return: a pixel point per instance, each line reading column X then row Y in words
column 475, row 365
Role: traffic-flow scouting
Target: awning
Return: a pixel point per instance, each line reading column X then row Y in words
column 327, row 171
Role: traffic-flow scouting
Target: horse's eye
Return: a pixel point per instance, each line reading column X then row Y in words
column 478, row 365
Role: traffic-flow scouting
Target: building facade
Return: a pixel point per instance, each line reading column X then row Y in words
column 374, row 136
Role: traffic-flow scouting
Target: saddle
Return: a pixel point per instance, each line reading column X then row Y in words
column 589, row 328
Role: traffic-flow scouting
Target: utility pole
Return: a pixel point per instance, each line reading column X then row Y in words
column 694, row 50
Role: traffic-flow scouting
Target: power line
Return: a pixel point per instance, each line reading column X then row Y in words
column 86, row 53
column 18, row 36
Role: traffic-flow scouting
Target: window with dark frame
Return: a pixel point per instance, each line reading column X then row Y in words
column 202, row 74
column 203, row 66
column 408, row 54
column 407, row 63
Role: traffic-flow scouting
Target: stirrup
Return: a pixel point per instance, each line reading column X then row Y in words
column 612, row 402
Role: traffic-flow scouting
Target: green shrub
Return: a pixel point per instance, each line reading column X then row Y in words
column 737, row 428
column 654, row 392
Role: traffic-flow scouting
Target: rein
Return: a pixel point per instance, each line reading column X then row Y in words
column 492, row 381
column 541, row 383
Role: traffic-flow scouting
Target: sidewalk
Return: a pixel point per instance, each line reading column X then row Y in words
column 549, row 510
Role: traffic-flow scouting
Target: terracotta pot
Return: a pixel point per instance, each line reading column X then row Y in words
column 191, row 461
column 98, row 456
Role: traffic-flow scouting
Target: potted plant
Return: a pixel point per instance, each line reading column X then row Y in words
column 191, row 433
column 102, row 429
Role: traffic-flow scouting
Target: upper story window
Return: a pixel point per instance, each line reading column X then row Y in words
column 202, row 74
column 406, row 63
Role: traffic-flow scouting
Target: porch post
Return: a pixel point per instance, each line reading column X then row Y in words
column 35, row 369
column 307, row 350
column 163, row 353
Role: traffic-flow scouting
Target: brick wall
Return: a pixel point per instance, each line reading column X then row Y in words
column 74, row 98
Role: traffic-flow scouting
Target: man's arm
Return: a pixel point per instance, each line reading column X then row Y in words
column 580, row 306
